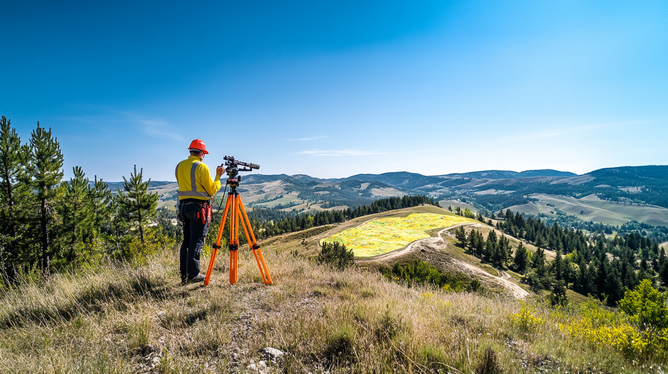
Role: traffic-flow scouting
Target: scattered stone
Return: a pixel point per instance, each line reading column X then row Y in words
column 272, row 354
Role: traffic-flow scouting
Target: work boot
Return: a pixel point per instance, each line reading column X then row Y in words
column 197, row 279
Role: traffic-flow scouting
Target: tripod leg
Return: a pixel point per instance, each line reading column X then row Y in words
column 251, row 244
column 257, row 253
column 217, row 246
column 234, row 239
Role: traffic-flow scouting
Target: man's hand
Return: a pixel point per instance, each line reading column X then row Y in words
column 220, row 171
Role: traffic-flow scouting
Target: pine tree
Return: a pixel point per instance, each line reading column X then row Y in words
column 77, row 214
column 137, row 204
column 45, row 161
column 538, row 261
column 521, row 258
column 590, row 282
column 12, row 159
column 460, row 234
column 663, row 268
column 100, row 199
column 580, row 284
column 558, row 266
column 505, row 250
column 613, row 288
column 558, row 294
column 488, row 251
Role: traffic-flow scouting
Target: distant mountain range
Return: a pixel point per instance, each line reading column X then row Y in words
column 489, row 189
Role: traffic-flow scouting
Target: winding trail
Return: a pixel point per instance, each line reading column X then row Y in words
column 518, row 292
column 440, row 243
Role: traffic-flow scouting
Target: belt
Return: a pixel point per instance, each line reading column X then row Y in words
column 193, row 201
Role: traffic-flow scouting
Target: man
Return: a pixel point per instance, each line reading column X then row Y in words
column 196, row 190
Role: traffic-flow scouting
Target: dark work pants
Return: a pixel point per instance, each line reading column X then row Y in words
column 193, row 239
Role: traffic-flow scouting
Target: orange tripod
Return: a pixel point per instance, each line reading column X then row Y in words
column 237, row 216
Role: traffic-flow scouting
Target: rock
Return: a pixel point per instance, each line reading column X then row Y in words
column 272, row 354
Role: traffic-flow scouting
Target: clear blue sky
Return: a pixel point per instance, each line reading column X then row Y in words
column 335, row 88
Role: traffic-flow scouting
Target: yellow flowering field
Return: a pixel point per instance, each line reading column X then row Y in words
column 387, row 234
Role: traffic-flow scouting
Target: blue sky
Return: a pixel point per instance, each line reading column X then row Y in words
column 336, row 88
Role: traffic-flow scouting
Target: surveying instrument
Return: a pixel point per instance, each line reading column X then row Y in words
column 237, row 216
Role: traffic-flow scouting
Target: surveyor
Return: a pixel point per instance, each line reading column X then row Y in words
column 196, row 190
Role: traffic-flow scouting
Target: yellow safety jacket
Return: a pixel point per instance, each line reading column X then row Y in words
column 194, row 180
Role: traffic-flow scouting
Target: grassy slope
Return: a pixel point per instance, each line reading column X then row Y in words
column 595, row 210
column 389, row 234
column 446, row 203
column 125, row 319
column 134, row 319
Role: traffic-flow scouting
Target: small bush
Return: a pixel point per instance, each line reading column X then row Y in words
column 138, row 335
column 340, row 347
column 422, row 273
column 525, row 320
column 489, row 363
column 432, row 357
column 388, row 326
column 337, row 255
column 602, row 327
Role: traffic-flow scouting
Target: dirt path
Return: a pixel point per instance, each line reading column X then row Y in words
column 433, row 241
column 517, row 291
column 440, row 243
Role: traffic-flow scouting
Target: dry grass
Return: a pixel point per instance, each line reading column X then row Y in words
column 140, row 319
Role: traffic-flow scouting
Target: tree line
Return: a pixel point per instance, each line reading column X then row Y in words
column 47, row 223
column 268, row 228
column 267, row 222
column 588, row 264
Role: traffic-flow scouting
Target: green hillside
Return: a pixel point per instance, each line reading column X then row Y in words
column 591, row 208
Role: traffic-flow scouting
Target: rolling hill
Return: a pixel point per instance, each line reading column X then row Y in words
column 610, row 196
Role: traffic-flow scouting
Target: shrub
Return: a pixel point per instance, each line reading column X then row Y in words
column 489, row 363
column 432, row 357
column 601, row 327
column 337, row 255
column 645, row 306
column 340, row 347
column 525, row 320
column 425, row 274
column 388, row 326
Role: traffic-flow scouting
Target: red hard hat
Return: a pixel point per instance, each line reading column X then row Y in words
column 198, row 144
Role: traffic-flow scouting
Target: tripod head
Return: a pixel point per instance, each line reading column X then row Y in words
column 232, row 168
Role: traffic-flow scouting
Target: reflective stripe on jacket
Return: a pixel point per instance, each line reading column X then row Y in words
column 194, row 180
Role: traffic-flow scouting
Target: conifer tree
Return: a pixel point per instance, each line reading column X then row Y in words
column 613, row 287
column 558, row 266
column 100, row 199
column 460, row 234
column 12, row 159
column 76, row 212
column 505, row 251
column 558, row 294
column 590, row 281
column 663, row 268
column 538, row 261
column 488, row 251
column 521, row 258
column 45, row 161
column 137, row 204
